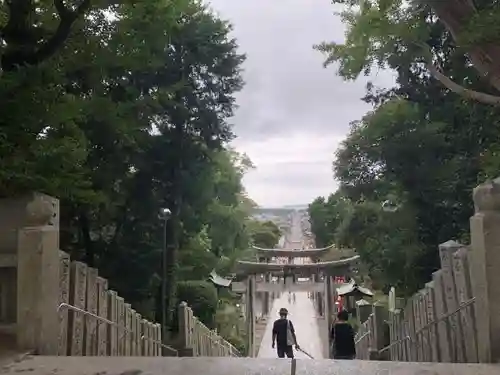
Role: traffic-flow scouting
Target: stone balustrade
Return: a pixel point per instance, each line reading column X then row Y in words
column 51, row 305
column 197, row 340
column 95, row 321
column 455, row 317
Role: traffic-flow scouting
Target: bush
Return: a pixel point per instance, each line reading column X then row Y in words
column 201, row 296
column 240, row 343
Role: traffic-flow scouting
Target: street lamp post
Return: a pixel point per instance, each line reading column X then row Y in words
column 164, row 215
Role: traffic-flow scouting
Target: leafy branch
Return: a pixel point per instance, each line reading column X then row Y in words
column 23, row 45
column 452, row 85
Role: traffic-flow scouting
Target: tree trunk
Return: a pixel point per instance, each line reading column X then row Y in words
column 23, row 47
column 456, row 16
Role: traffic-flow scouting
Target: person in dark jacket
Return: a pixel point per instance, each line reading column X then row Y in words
column 342, row 337
column 284, row 335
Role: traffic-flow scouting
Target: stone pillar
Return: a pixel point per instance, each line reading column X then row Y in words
column 313, row 294
column 484, row 267
column 320, row 303
column 9, row 226
column 250, row 315
column 380, row 314
column 318, row 295
column 38, row 268
column 266, row 295
column 328, row 303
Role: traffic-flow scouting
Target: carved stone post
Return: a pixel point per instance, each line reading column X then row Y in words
column 485, row 266
column 38, row 263
column 185, row 330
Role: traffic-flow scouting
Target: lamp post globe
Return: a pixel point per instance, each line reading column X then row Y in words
column 164, row 213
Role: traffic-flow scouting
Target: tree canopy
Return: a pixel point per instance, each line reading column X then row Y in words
column 407, row 168
column 265, row 234
column 120, row 109
column 379, row 29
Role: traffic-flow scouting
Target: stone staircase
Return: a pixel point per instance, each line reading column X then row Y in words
column 37, row 365
column 8, row 350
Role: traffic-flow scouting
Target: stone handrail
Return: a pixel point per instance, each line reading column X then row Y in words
column 96, row 321
column 364, row 339
column 36, row 278
column 137, row 338
column 437, row 324
column 197, row 340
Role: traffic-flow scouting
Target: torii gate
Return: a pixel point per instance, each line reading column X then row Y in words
column 319, row 274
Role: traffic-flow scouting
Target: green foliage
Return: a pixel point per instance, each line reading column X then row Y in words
column 196, row 258
column 126, row 115
column 231, row 325
column 33, row 32
column 401, row 34
column 264, row 234
column 201, row 296
column 375, row 31
column 419, row 152
column 326, row 216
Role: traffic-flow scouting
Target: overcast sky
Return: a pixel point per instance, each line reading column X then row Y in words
column 292, row 112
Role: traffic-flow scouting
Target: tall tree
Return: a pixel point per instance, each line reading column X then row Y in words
column 420, row 151
column 129, row 115
column 264, row 234
column 31, row 34
column 378, row 28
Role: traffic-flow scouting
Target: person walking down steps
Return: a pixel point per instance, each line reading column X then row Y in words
column 284, row 335
column 342, row 337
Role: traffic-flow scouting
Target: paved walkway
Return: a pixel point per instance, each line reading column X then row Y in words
column 301, row 313
column 303, row 316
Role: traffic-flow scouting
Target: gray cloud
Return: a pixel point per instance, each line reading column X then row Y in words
column 292, row 112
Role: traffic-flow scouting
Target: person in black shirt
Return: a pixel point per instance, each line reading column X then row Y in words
column 284, row 335
column 342, row 337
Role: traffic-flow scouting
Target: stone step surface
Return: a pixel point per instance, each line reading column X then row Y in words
column 36, row 365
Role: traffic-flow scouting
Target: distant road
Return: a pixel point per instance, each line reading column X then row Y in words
column 294, row 236
column 302, row 312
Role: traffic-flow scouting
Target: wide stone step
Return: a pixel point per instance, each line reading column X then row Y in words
column 35, row 365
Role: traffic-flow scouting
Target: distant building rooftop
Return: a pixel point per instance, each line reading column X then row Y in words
column 353, row 288
column 218, row 280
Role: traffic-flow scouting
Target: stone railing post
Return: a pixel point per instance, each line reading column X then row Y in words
column 38, row 262
column 250, row 315
column 380, row 316
column 485, row 268
column 185, row 330
column 328, row 303
column 267, row 295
